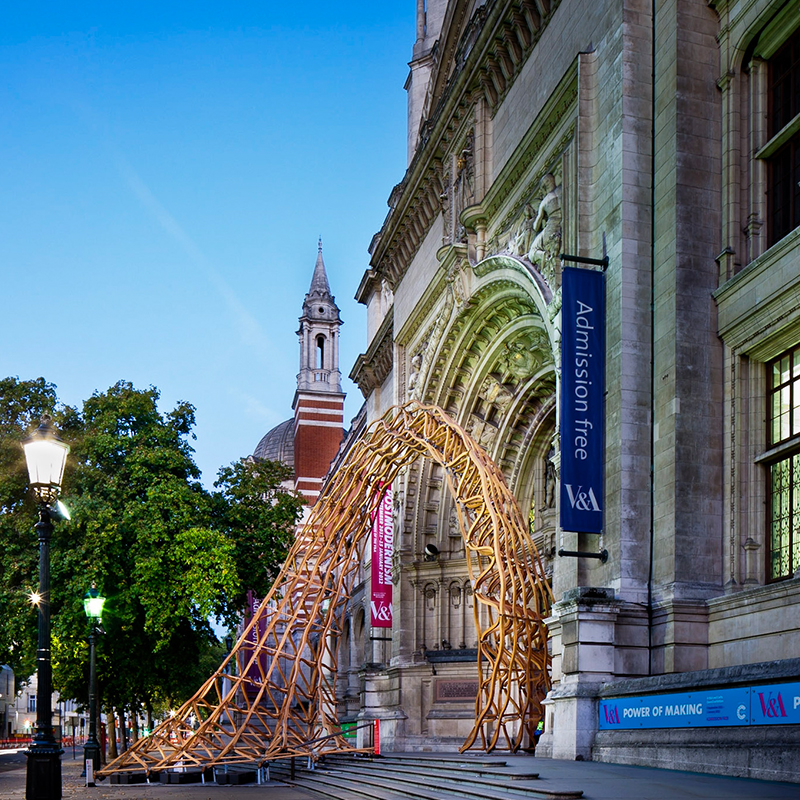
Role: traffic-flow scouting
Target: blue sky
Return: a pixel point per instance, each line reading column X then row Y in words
column 166, row 171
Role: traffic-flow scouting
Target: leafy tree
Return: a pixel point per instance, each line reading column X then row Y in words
column 22, row 403
column 140, row 532
column 166, row 553
column 258, row 514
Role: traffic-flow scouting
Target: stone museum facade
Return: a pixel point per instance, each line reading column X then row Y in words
column 664, row 137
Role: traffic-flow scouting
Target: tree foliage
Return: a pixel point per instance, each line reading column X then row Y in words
column 22, row 403
column 166, row 553
column 258, row 515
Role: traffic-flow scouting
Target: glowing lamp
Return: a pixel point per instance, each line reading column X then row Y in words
column 46, row 456
column 93, row 604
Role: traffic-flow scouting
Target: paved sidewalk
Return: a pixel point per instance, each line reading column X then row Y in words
column 12, row 787
column 617, row 782
column 597, row 781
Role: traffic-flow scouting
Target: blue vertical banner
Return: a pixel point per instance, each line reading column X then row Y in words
column 583, row 322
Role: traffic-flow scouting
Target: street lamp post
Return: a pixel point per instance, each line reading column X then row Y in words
column 46, row 456
column 93, row 606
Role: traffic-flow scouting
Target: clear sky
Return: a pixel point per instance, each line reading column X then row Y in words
column 165, row 172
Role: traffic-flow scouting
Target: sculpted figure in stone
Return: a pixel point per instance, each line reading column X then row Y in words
column 413, row 378
column 521, row 241
column 452, row 522
column 455, row 281
column 520, row 359
column 387, row 296
column 550, row 485
column 463, row 185
column 495, row 393
column 546, row 245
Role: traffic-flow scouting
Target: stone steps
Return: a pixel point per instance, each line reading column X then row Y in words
column 415, row 778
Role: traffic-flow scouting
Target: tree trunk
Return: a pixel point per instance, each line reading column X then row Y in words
column 135, row 721
column 149, row 718
column 123, row 732
column 112, row 733
column 99, row 727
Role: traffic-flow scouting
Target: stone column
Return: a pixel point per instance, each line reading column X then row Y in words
column 584, row 622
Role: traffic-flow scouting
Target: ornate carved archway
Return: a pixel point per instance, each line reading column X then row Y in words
column 275, row 694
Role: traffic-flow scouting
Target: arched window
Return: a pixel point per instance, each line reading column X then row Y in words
column 320, row 352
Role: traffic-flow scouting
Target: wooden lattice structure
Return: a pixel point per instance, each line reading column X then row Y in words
column 275, row 694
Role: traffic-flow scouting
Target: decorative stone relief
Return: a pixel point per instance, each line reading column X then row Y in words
column 456, row 283
column 525, row 356
column 483, row 432
column 423, row 352
column 520, row 241
column 452, row 523
column 463, row 184
column 536, row 234
column 545, row 248
column 459, row 189
column 413, row 376
column 430, row 597
column 493, row 401
column 387, row 296
column 549, row 482
column 555, row 306
column 495, row 393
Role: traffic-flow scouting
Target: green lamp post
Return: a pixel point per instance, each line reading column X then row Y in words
column 93, row 606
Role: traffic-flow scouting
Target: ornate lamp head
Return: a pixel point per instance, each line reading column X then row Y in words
column 46, row 456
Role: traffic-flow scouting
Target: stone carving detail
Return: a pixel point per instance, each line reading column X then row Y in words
column 537, row 234
column 495, row 393
column 455, row 281
column 424, row 351
column 494, row 399
column 387, row 296
column 413, row 377
column 549, row 482
column 524, row 357
column 546, row 245
column 520, row 241
column 464, row 184
column 459, row 191
column 430, row 597
column 453, row 528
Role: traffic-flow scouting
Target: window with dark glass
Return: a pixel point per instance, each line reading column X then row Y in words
column 783, row 149
column 784, row 472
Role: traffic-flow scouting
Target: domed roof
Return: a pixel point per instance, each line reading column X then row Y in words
column 278, row 444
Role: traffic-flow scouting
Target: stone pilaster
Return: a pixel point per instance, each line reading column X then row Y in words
column 584, row 621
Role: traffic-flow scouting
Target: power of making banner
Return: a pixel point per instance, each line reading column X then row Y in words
column 583, row 322
column 382, row 547
column 776, row 704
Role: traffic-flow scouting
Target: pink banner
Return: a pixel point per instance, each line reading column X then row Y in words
column 382, row 547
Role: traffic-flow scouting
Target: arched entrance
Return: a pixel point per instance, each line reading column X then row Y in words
column 275, row 695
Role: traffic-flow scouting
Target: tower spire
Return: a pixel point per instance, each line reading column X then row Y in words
column 319, row 334
column 320, row 288
column 319, row 400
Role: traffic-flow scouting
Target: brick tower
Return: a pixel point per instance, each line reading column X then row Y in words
column 319, row 401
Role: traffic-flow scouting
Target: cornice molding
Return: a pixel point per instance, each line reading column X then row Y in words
column 372, row 367
column 503, row 45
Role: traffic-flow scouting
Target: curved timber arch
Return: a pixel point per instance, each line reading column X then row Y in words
column 275, row 694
